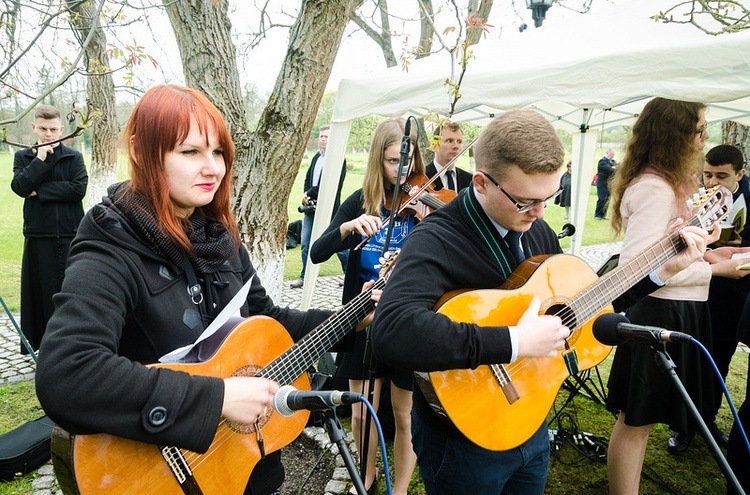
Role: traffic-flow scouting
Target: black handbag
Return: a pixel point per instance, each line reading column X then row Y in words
column 25, row 448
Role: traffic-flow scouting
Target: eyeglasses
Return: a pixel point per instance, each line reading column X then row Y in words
column 521, row 207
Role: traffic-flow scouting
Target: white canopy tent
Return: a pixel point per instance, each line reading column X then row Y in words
column 590, row 74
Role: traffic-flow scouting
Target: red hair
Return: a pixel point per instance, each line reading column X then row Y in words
column 159, row 122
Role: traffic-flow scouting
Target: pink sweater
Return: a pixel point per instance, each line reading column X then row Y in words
column 648, row 209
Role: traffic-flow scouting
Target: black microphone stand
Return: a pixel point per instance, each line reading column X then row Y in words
column 337, row 435
column 402, row 165
column 665, row 363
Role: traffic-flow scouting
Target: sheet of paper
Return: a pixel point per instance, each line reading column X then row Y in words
column 231, row 309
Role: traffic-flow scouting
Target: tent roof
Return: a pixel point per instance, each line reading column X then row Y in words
column 610, row 63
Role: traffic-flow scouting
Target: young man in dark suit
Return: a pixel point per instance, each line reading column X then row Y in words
column 450, row 146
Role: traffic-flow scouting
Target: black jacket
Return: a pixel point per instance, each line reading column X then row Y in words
column 605, row 169
column 330, row 243
column 312, row 191
column 463, row 178
column 60, row 183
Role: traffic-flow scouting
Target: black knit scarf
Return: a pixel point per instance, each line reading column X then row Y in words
column 212, row 242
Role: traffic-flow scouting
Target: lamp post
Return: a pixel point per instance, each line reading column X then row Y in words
column 538, row 10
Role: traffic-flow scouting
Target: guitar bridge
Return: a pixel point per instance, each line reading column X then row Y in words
column 180, row 468
column 506, row 385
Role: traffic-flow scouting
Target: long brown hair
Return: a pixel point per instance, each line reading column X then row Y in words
column 388, row 133
column 663, row 139
column 159, row 122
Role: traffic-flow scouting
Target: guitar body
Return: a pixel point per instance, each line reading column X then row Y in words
column 103, row 464
column 473, row 399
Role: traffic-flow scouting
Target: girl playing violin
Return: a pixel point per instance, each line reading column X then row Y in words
column 359, row 217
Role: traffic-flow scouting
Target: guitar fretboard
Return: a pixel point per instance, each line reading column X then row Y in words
column 298, row 358
column 613, row 284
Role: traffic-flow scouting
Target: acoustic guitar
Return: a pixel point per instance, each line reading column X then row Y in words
column 102, row 464
column 500, row 406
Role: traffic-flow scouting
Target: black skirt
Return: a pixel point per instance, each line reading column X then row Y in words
column 360, row 364
column 639, row 388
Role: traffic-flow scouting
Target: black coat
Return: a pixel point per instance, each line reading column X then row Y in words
column 604, row 171
column 60, row 183
column 564, row 198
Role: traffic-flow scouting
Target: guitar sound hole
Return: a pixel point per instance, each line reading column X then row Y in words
column 565, row 313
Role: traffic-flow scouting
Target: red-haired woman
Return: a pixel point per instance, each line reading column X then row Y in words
column 126, row 298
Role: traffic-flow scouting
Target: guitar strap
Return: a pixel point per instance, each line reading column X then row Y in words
column 488, row 233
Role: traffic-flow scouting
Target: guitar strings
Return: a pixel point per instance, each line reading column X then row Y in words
column 587, row 303
column 318, row 339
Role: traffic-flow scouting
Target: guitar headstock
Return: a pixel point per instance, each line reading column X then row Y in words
column 709, row 206
column 386, row 263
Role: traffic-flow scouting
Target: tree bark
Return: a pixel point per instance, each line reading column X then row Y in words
column 426, row 30
column 481, row 11
column 268, row 159
column 737, row 135
column 101, row 95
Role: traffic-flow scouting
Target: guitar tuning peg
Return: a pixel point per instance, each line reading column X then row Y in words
column 702, row 191
column 690, row 203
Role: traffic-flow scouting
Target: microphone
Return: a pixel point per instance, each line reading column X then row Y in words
column 405, row 143
column 614, row 329
column 567, row 230
column 288, row 399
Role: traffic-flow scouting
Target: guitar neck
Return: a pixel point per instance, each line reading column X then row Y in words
column 298, row 358
column 613, row 284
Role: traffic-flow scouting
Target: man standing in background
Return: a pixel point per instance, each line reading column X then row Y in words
column 605, row 169
column 310, row 201
column 451, row 144
column 52, row 179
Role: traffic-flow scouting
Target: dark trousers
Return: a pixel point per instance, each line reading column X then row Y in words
column 452, row 466
column 42, row 270
column 602, row 201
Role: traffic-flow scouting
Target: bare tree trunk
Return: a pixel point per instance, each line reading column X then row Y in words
column 268, row 159
column 426, row 29
column 481, row 11
column 101, row 95
column 382, row 38
column 737, row 135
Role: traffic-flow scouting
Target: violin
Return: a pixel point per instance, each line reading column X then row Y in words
column 420, row 197
column 419, row 204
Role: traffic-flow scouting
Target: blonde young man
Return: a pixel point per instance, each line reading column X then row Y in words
column 451, row 144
